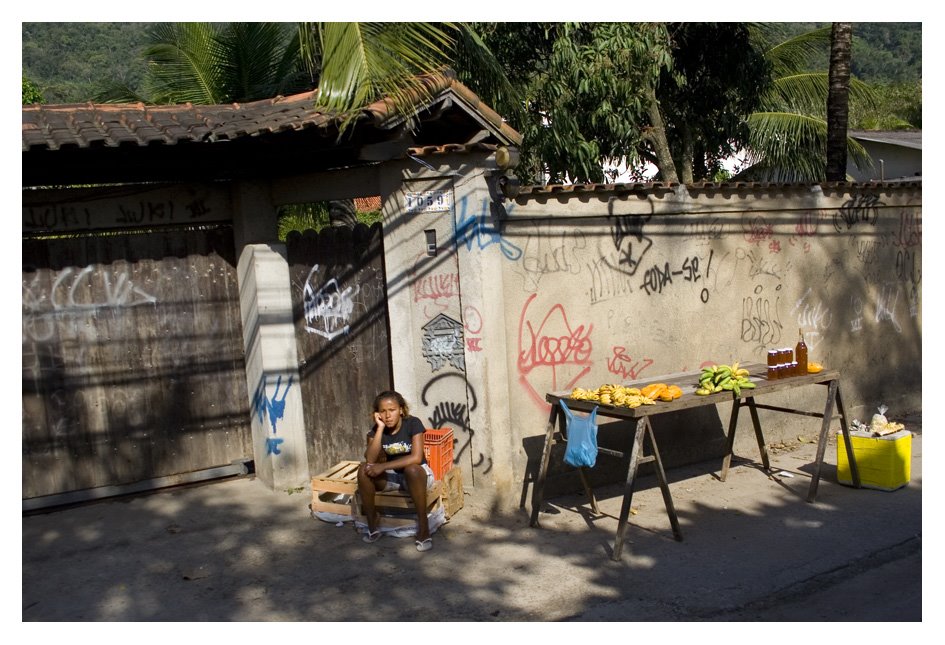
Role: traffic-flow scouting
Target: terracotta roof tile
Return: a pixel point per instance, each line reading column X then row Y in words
column 538, row 191
column 53, row 127
column 425, row 151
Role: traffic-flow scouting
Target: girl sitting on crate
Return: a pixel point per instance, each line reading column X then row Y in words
column 394, row 460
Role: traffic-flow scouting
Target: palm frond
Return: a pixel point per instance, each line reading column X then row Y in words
column 364, row 61
column 807, row 93
column 181, row 63
column 796, row 54
column 785, row 146
column 258, row 60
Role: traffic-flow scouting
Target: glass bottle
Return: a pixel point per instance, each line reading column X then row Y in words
column 800, row 354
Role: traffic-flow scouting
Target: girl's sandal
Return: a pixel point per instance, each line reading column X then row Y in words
column 371, row 537
column 424, row 545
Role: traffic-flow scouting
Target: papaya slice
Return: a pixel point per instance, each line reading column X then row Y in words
column 653, row 390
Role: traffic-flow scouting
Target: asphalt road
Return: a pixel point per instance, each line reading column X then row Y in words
column 753, row 550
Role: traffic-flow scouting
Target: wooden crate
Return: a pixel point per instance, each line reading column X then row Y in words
column 340, row 479
column 453, row 492
column 394, row 507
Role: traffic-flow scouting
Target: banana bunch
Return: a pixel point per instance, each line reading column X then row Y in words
column 612, row 394
column 724, row 377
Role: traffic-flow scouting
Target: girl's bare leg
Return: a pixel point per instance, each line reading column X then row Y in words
column 416, row 478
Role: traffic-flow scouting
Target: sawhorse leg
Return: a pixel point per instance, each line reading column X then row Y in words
column 590, row 491
column 759, row 437
column 539, row 490
column 833, row 393
column 730, row 440
column 730, row 443
column 643, row 430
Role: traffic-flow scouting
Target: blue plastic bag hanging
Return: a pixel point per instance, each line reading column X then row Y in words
column 582, row 438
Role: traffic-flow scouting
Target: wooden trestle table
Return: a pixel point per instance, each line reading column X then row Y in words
column 687, row 381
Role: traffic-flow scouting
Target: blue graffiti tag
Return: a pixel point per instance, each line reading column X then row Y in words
column 475, row 228
column 272, row 446
column 275, row 406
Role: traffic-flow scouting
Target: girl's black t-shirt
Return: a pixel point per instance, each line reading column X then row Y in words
column 401, row 442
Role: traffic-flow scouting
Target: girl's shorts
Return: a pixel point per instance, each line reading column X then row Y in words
column 397, row 481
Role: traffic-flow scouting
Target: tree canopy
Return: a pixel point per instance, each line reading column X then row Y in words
column 587, row 97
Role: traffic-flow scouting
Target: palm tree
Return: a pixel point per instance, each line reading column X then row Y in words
column 838, row 100
column 788, row 135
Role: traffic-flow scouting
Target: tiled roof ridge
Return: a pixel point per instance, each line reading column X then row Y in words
column 56, row 125
column 551, row 189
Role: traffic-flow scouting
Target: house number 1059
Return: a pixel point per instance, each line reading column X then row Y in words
column 428, row 201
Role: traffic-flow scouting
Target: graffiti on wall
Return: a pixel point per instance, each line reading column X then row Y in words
column 859, row 209
column 547, row 252
column 813, row 316
column 71, row 294
column 761, row 319
column 273, row 408
column 115, row 214
column 804, row 231
column 552, row 351
column 630, row 241
column 438, row 289
column 759, row 263
column 475, row 229
column 472, row 324
column 625, row 366
column 886, row 303
column 442, row 343
column 910, row 230
column 440, row 395
column 759, row 232
column 657, row 278
column 606, row 283
column 327, row 306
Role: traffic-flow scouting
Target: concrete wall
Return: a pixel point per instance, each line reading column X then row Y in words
column 580, row 288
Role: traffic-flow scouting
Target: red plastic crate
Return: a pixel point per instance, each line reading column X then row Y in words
column 438, row 449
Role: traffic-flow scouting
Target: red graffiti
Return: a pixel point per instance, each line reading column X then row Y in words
column 624, row 366
column 472, row 344
column 806, row 225
column 774, row 246
column 758, row 230
column 553, row 343
column 436, row 286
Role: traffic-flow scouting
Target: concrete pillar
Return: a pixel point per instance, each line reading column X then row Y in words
column 272, row 375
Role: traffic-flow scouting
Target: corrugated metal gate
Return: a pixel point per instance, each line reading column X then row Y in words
column 132, row 359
